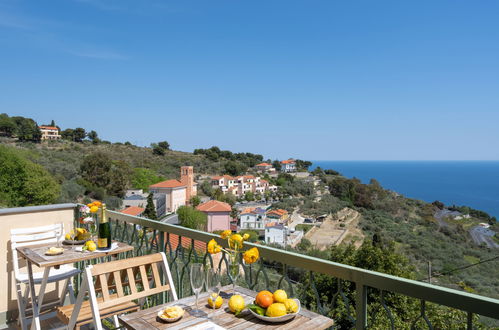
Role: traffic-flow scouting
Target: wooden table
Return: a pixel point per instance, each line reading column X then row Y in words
column 35, row 255
column 147, row 318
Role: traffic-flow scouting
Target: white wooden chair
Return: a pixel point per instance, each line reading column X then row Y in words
column 117, row 287
column 34, row 236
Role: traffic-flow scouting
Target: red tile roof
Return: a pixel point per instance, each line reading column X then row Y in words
column 186, row 243
column 168, row 184
column 214, row 206
column 289, row 161
column 218, row 177
column 264, row 164
column 49, row 127
column 133, row 210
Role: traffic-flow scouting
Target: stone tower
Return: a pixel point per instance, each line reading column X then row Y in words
column 187, row 178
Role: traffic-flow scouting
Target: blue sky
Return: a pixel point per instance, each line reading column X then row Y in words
column 337, row 80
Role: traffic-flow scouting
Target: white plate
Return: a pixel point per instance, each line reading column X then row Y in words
column 175, row 319
column 283, row 318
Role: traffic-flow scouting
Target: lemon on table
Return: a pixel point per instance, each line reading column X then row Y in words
column 91, row 246
column 291, row 305
column 67, row 237
column 276, row 309
column 280, row 296
column 236, row 304
column 218, row 302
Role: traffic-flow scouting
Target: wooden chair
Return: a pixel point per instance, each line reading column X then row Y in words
column 115, row 287
column 34, row 236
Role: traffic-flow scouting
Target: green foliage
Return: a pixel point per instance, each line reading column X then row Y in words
column 160, row 148
column 277, row 165
column 7, row 125
column 71, row 191
column 100, row 171
column 150, row 211
column 234, row 168
column 195, row 201
column 228, row 198
column 206, row 188
column 113, row 202
column 93, row 136
column 303, row 227
column 191, row 218
column 249, row 196
column 142, row 178
column 253, row 234
column 27, row 129
column 302, row 165
column 23, row 182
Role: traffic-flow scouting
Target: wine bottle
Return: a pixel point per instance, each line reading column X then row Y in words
column 104, row 238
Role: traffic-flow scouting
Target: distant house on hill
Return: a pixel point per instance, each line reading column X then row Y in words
column 136, row 197
column 134, row 210
column 264, row 167
column 253, row 218
column 177, row 192
column 49, row 133
column 288, row 166
column 218, row 215
column 240, row 185
column 278, row 214
column 275, row 233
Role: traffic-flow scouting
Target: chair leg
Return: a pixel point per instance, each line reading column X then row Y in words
column 21, row 305
column 116, row 322
column 72, row 297
column 63, row 292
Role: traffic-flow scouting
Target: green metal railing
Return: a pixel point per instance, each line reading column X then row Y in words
column 275, row 268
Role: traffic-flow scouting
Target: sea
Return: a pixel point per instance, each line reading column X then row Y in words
column 471, row 183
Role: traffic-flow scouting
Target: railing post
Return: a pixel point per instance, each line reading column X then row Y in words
column 361, row 306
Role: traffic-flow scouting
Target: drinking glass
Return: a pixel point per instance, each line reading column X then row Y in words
column 60, row 235
column 213, row 285
column 233, row 271
column 197, row 282
column 72, row 233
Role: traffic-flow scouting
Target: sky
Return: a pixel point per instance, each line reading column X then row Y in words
column 317, row 80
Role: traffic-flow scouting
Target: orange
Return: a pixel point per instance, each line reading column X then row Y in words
column 264, row 299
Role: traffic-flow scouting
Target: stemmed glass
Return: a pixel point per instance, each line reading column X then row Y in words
column 60, row 235
column 213, row 285
column 233, row 271
column 197, row 282
column 73, row 233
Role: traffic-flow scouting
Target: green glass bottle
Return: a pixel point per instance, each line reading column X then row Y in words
column 104, row 238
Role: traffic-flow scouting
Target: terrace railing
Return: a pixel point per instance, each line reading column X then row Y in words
column 276, row 269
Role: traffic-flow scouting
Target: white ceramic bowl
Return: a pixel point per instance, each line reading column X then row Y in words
column 278, row 319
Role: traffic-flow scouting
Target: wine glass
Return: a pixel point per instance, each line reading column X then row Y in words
column 72, row 234
column 60, row 234
column 197, row 282
column 213, row 284
column 233, row 271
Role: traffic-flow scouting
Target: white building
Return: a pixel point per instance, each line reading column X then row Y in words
column 253, row 218
column 275, row 233
column 240, row 185
column 288, row 166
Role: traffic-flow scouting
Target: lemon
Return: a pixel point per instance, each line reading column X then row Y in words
column 280, row 296
column 67, row 237
column 291, row 305
column 91, row 246
column 236, row 304
column 218, row 302
column 275, row 310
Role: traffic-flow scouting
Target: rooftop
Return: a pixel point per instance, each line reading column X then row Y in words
column 168, row 184
column 133, row 210
column 214, row 206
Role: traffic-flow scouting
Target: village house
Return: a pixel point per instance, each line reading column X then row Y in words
column 134, row 210
column 279, row 215
column 275, row 233
column 264, row 168
column 240, row 185
column 49, row 133
column 288, row 166
column 136, row 197
column 177, row 192
column 218, row 214
column 253, row 218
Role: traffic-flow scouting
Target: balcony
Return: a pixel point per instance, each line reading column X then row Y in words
column 361, row 297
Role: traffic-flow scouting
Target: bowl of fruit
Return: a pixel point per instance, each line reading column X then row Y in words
column 77, row 236
column 274, row 307
column 171, row 314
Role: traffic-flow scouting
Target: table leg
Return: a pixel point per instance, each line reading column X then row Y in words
column 35, row 322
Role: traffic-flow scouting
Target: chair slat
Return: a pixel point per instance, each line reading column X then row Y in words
column 105, row 288
column 143, row 275
column 117, row 283
column 112, row 266
column 156, row 276
column 131, row 280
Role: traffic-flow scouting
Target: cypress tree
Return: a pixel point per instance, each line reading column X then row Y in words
column 150, row 211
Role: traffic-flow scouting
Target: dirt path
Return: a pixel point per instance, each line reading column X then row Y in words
column 331, row 233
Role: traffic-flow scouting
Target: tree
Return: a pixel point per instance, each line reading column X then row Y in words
column 23, row 182
column 302, row 165
column 93, row 136
column 79, row 134
column 277, row 165
column 150, row 211
column 27, row 129
column 142, row 178
column 7, row 125
column 252, row 233
column 52, row 123
column 68, row 134
column 191, row 218
column 195, row 201
column 160, row 148
column 234, row 168
column 249, row 196
column 206, row 187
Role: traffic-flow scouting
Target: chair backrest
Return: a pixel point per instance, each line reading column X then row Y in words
column 33, row 236
column 124, row 280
